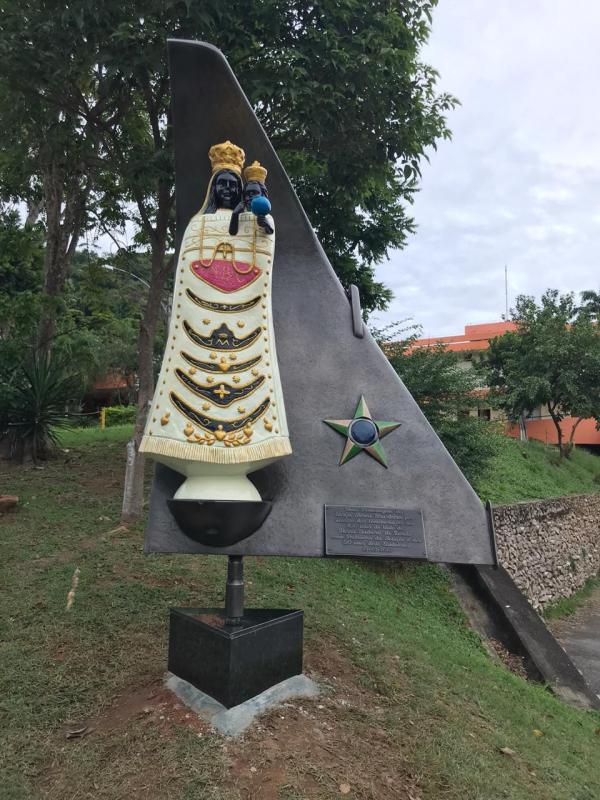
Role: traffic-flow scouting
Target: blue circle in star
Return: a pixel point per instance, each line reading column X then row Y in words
column 363, row 431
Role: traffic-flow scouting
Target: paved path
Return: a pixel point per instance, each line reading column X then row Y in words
column 579, row 634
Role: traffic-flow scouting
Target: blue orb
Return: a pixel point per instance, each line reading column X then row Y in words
column 260, row 205
column 363, row 431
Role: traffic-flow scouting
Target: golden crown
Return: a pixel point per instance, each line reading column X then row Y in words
column 255, row 172
column 226, row 156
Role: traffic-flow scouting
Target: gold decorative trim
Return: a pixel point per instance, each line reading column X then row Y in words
column 225, row 308
column 193, row 247
column 239, row 392
column 210, row 423
column 237, row 343
column 217, row 368
column 225, row 248
column 171, row 448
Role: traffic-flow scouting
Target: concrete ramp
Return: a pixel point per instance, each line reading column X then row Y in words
column 497, row 608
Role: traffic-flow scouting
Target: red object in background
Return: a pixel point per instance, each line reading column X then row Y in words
column 110, row 383
column 477, row 337
column 544, row 431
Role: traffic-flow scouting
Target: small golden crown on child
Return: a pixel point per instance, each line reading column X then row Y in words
column 226, row 156
column 255, row 172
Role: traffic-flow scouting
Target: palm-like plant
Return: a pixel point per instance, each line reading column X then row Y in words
column 35, row 408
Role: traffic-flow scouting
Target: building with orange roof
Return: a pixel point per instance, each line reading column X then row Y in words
column 539, row 424
column 115, row 388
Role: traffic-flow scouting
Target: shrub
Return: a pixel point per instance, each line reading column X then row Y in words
column 119, row 415
column 34, row 408
column 471, row 442
column 445, row 393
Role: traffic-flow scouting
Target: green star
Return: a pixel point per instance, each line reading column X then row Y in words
column 362, row 432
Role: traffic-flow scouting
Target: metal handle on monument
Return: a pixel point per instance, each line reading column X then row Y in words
column 358, row 327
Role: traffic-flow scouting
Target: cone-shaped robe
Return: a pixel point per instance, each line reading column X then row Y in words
column 218, row 412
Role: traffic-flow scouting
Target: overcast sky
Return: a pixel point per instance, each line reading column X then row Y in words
column 519, row 184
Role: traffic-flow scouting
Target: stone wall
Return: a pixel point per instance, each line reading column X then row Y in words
column 550, row 547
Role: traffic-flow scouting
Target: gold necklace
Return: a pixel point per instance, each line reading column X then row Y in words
column 226, row 249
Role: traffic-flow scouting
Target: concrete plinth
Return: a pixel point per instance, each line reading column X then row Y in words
column 234, row 721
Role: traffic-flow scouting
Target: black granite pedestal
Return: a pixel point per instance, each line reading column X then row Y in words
column 233, row 663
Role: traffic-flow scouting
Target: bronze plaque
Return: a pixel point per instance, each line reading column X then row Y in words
column 374, row 532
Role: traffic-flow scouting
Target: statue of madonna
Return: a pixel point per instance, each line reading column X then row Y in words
column 217, row 412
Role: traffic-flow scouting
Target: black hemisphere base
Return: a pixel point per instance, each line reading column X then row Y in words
column 219, row 523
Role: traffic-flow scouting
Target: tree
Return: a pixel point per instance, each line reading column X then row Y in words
column 590, row 304
column 21, row 262
column 352, row 145
column 552, row 359
column 53, row 96
column 338, row 86
column 445, row 392
column 98, row 328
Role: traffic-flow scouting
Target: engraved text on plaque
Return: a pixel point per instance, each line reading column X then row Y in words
column 360, row 531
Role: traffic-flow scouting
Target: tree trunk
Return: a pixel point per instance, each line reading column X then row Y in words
column 572, row 436
column 53, row 267
column 559, row 434
column 133, row 493
column 523, row 427
column 63, row 229
column 55, row 272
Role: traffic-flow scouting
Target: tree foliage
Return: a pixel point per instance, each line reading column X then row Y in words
column 552, row 359
column 445, row 392
column 96, row 329
column 338, row 86
column 52, row 152
column 590, row 304
column 21, row 259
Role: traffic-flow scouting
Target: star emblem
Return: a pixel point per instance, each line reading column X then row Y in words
column 363, row 433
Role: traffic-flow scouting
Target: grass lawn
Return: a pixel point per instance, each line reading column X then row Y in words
column 412, row 707
column 569, row 605
column 532, row 471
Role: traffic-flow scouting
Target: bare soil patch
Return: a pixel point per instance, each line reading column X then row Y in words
column 102, row 484
column 335, row 745
column 150, row 705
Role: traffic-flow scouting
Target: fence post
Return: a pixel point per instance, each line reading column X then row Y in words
column 102, row 418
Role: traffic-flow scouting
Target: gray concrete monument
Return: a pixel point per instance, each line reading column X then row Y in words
column 328, row 365
column 314, row 448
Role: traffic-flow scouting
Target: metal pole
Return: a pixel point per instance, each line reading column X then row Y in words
column 234, row 591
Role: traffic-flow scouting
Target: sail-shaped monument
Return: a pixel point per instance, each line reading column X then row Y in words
column 364, row 474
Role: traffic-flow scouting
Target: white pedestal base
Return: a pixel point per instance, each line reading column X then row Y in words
column 206, row 481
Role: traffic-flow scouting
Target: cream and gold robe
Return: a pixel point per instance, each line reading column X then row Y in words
column 218, row 398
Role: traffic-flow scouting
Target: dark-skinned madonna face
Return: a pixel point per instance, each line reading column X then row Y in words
column 227, row 190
